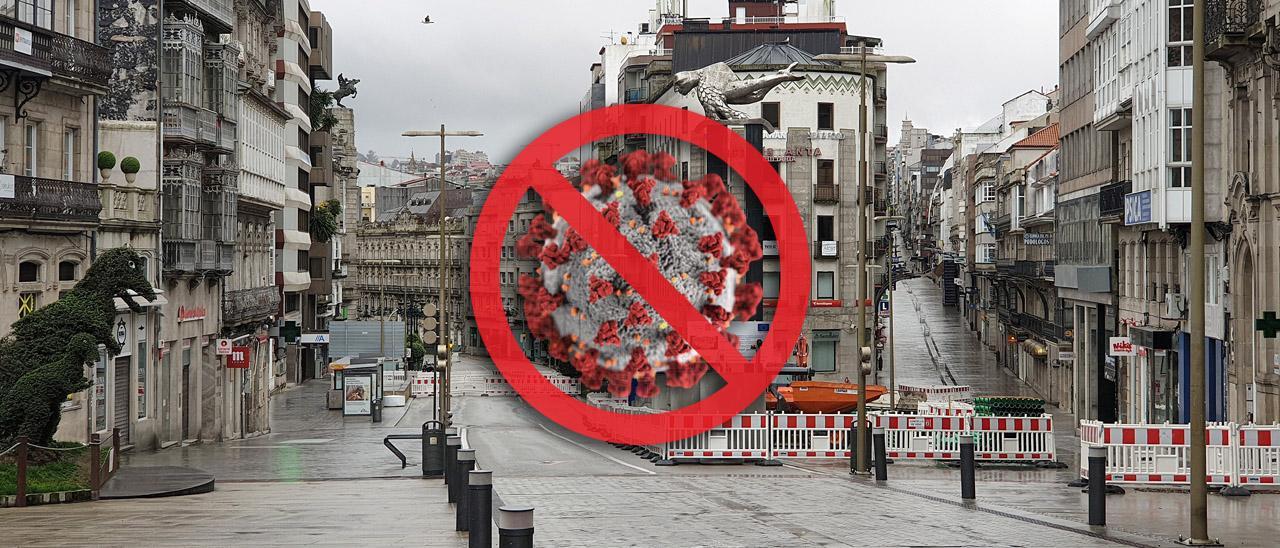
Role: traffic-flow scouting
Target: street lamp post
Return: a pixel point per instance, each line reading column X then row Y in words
column 1199, row 490
column 889, row 286
column 863, row 465
column 443, row 351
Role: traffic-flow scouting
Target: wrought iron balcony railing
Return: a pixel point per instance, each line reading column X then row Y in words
column 826, row 249
column 1033, row 269
column 1111, row 198
column 826, row 194
column 63, row 55
column 51, row 200
column 250, row 304
column 220, row 11
column 1228, row 25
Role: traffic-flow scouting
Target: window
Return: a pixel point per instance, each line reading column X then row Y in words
column 826, row 173
column 1180, row 32
column 70, row 153
column 317, row 268
column 823, row 355
column 1020, row 202
column 826, row 285
column 67, row 271
column 986, row 192
column 69, row 17
column 4, row 144
column 31, row 152
column 1180, row 147
column 1212, row 280
column 142, row 377
column 314, row 35
column 36, row 12
column 986, row 253
column 28, row 271
column 826, row 116
column 772, row 282
column 772, row 113
column 826, row 228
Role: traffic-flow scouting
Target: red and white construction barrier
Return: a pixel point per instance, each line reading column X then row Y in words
column 1148, row 454
column 946, row 408
column 743, row 437
column 1257, row 455
column 826, row 436
column 490, row 384
column 938, row 393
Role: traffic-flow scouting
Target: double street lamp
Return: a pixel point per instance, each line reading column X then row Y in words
column 860, row 60
column 443, row 350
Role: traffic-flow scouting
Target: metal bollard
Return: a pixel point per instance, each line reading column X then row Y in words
column 432, row 449
column 448, row 454
column 966, row 467
column 466, row 461
column 480, row 508
column 515, row 527
column 854, row 432
column 451, row 445
column 882, row 463
column 1097, row 486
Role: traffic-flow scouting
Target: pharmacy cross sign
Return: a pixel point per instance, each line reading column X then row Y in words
column 1269, row 325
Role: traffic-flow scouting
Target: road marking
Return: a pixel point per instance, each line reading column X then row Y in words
column 309, row 441
column 650, row 472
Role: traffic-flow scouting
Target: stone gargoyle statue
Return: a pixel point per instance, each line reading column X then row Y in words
column 717, row 87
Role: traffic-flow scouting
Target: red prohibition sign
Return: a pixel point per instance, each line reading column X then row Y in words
column 534, row 169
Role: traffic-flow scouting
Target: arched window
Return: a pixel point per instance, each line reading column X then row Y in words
column 29, row 271
column 67, row 271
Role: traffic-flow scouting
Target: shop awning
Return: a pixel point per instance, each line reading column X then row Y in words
column 1153, row 338
column 156, row 302
column 1035, row 349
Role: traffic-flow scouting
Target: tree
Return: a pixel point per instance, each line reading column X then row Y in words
column 324, row 220
column 322, row 119
column 42, row 360
column 417, row 351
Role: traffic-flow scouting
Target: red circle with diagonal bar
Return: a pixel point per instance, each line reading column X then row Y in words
column 534, row 169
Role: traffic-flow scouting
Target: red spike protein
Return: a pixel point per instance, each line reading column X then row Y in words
column 696, row 235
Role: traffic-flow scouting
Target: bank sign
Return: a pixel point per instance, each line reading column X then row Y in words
column 1137, row 208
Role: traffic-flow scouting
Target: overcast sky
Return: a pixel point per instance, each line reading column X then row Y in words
column 513, row 68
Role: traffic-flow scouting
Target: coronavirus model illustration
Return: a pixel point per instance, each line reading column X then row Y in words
column 694, row 233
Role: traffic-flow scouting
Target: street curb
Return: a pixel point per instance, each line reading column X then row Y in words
column 1113, row 535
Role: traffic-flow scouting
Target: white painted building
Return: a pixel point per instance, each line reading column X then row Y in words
column 380, row 175
column 1143, row 95
column 815, row 151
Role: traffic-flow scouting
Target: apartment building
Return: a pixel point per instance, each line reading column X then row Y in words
column 293, row 223
column 1084, row 272
column 50, row 207
column 1243, row 39
column 1142, row 100
column 251, row 302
